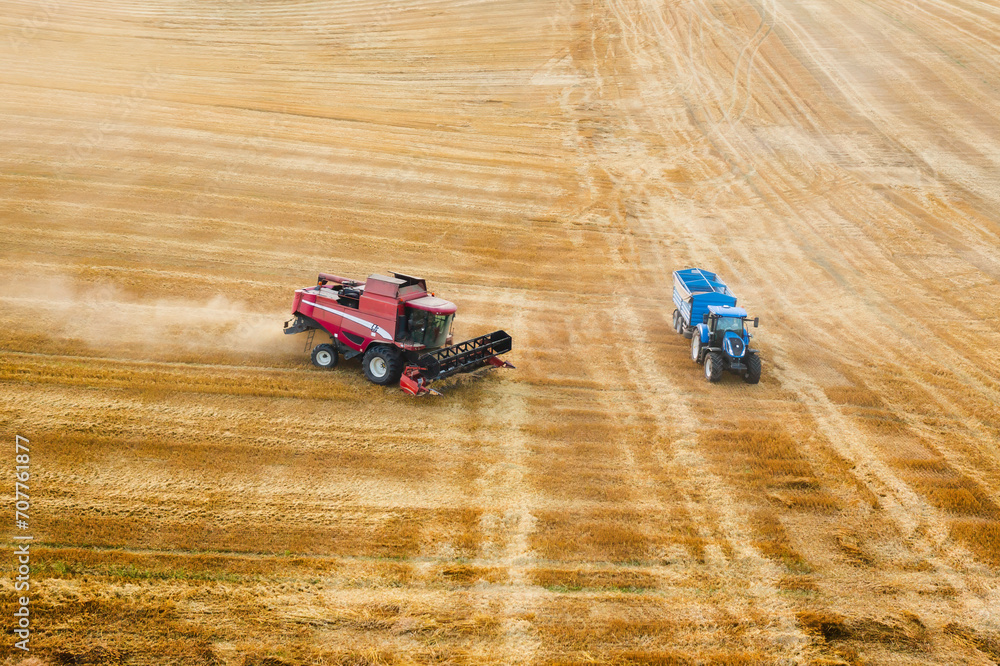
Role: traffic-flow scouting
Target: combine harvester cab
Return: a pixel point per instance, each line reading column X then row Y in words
column 402, row 331
column 707, row 314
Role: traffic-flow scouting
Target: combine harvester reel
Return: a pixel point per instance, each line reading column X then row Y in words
column 402, row 331
column 463, row 357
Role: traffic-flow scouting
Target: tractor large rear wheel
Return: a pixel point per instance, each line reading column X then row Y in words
column 382, row 365
column 714, row 367
column 752, row 375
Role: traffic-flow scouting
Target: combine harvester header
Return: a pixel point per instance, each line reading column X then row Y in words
column 402, row 331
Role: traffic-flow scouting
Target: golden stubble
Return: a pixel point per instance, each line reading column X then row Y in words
column 201, row 494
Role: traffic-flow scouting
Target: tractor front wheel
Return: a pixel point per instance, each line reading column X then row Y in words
column 752, row 375
column 714, row 367
column 324, row 356
column 696, row 347
column 382, row 365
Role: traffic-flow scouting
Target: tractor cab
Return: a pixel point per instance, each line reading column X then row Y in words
column 727, row 329
column 727, row 321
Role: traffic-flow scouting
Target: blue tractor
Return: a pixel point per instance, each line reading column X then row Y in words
column 707, row 314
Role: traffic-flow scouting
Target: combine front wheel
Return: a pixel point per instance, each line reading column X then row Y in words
column 324, row 356
column 713, row 367
column 382, row 365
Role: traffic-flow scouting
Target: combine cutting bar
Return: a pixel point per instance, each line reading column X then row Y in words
column 465, row 356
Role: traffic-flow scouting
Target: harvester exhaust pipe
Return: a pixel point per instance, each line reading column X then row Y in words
column 324, row 278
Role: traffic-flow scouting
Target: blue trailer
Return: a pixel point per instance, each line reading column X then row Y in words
column 707, row 314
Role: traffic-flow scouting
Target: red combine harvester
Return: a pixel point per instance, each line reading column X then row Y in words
column 402, row 330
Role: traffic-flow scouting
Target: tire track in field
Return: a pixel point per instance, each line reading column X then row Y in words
column 906, row 509
column 709, row 500
column 907, row 348
column 706, row 498
column 507, row 522
column 923, row 527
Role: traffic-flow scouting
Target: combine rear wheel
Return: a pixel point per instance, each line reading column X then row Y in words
column 324, row 356
column 752, row 375
column 714, row 367
column 382, row 365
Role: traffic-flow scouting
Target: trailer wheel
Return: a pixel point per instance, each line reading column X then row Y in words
column 382, row 365
column 752, row 375
column 324, row 356
column 677, row 322
column 714, row 366
column 696, row 347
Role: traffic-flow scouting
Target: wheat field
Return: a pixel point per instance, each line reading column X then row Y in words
column 171, row 171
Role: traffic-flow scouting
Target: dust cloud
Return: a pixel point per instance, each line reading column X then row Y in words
column 107, row 317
